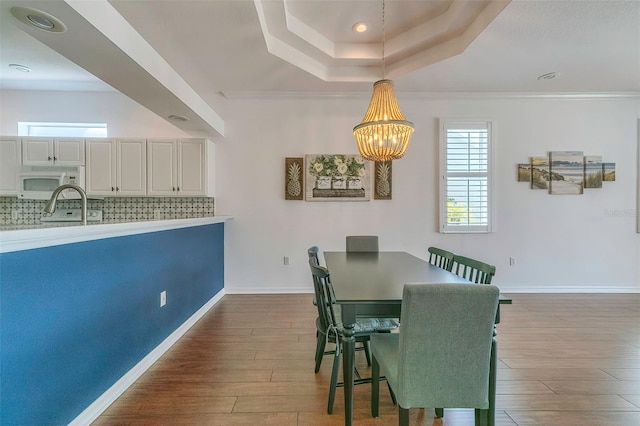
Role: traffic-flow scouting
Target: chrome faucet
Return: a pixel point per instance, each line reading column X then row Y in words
column 51, row 205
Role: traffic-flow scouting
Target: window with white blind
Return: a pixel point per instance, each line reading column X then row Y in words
column 465, row 165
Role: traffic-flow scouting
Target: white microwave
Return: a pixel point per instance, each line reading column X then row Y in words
column 38, row 183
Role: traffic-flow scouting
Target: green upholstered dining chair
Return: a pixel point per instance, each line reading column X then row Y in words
column 313, row 254
column 362, row 243
column 330, row 328
column 442, row 355
column 441, row 258
column 473, row 270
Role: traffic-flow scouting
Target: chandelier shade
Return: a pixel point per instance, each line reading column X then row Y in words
column 384, row 133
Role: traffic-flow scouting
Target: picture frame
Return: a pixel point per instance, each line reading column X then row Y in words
column 337, row 177
column 294, row 178
column 383, row 180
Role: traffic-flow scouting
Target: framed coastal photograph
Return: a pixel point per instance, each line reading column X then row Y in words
column 539, row 172
column 593, row 171
column 293, row 178
column 337, row 177
column 567, row 172
column 524, row 172
column 608, row 172
column 382, row 186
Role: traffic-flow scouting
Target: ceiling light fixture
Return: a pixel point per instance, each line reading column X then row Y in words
column 384, row 133
column 38, row 19
column 360, row 27
column 21, row 68
column 548, row 76
column 175, row 117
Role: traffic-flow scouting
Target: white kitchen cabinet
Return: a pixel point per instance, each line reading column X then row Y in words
column 182, row 167
column 116, row 167
column 53, row 151
column 9, row 165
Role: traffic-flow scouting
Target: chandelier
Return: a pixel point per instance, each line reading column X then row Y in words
column 384, row 133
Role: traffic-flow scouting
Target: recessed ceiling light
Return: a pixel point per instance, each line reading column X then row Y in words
column 548, row 76
column 175, row 117
column 18, row 67
column 38, row 19
column 360, row 27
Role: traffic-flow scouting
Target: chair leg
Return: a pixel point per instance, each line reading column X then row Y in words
column 375, row 387
column 439, row 412
column 493, row 370
column 367, row 352
column 403, row 416
column 334, row 381
column 393, row 395
column 481, row 417
column 320, row 345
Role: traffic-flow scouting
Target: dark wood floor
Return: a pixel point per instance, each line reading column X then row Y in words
column 564, row 360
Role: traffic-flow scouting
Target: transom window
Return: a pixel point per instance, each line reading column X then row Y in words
column 81, row 130
column 465, row 188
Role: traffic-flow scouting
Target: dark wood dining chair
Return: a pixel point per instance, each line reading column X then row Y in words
column 362, row 243
column 448, row 365
column 330, row 329
column 473, row 270
column 441, row 258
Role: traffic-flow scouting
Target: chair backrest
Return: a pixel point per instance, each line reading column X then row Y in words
column 445, row 345
column 322, row 290
column 473, row 270
column 441, row 258
column 362, row 243
column 313, row 254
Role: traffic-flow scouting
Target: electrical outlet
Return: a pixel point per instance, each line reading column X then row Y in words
column 286, row 260
column 157, row 214
column 512, row 261
column 163, row 298
column 14, row 215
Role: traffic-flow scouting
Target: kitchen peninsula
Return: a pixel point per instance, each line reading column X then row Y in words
column 81, row 314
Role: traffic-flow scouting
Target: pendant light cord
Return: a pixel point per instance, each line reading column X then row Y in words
column 383, row 39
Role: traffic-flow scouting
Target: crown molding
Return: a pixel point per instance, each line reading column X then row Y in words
column 242, row 95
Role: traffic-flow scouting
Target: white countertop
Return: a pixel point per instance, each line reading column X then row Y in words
column 58, row 234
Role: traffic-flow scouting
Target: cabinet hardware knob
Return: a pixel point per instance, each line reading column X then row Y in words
column 49, row 158
column 112, row 188
column 117, row 189
column 173, row 188
column 55, row 158
column 178, row 188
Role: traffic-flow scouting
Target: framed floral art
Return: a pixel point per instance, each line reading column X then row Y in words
column 337, row 177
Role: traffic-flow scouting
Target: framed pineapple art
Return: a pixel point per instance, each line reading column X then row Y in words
column 382, row 185
column 337, row 177
column 293, row 179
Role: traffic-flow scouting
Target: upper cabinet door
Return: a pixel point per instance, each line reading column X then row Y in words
column 161, row 167
column 132, row 167
column 9, row 165
column 37, row 151
column 68, row 151
column 50, row 151
column 192, row 167
column 101, row 167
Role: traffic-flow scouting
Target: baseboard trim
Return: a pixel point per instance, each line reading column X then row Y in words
column 93, row 411
column 569, row 289
column 269, row 290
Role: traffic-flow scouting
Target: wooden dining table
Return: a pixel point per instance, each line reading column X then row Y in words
column 371, row 284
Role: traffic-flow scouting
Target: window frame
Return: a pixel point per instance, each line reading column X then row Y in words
column 443, row 125
column 25, row 129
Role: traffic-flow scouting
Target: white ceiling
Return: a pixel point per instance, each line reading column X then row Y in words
column 200, row 50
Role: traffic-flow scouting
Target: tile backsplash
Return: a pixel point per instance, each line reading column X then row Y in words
column 15, row 211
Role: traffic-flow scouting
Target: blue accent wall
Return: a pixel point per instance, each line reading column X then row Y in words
column 75, row 318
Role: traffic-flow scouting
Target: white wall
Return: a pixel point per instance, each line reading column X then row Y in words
column 124, row 117
column 561, row 243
